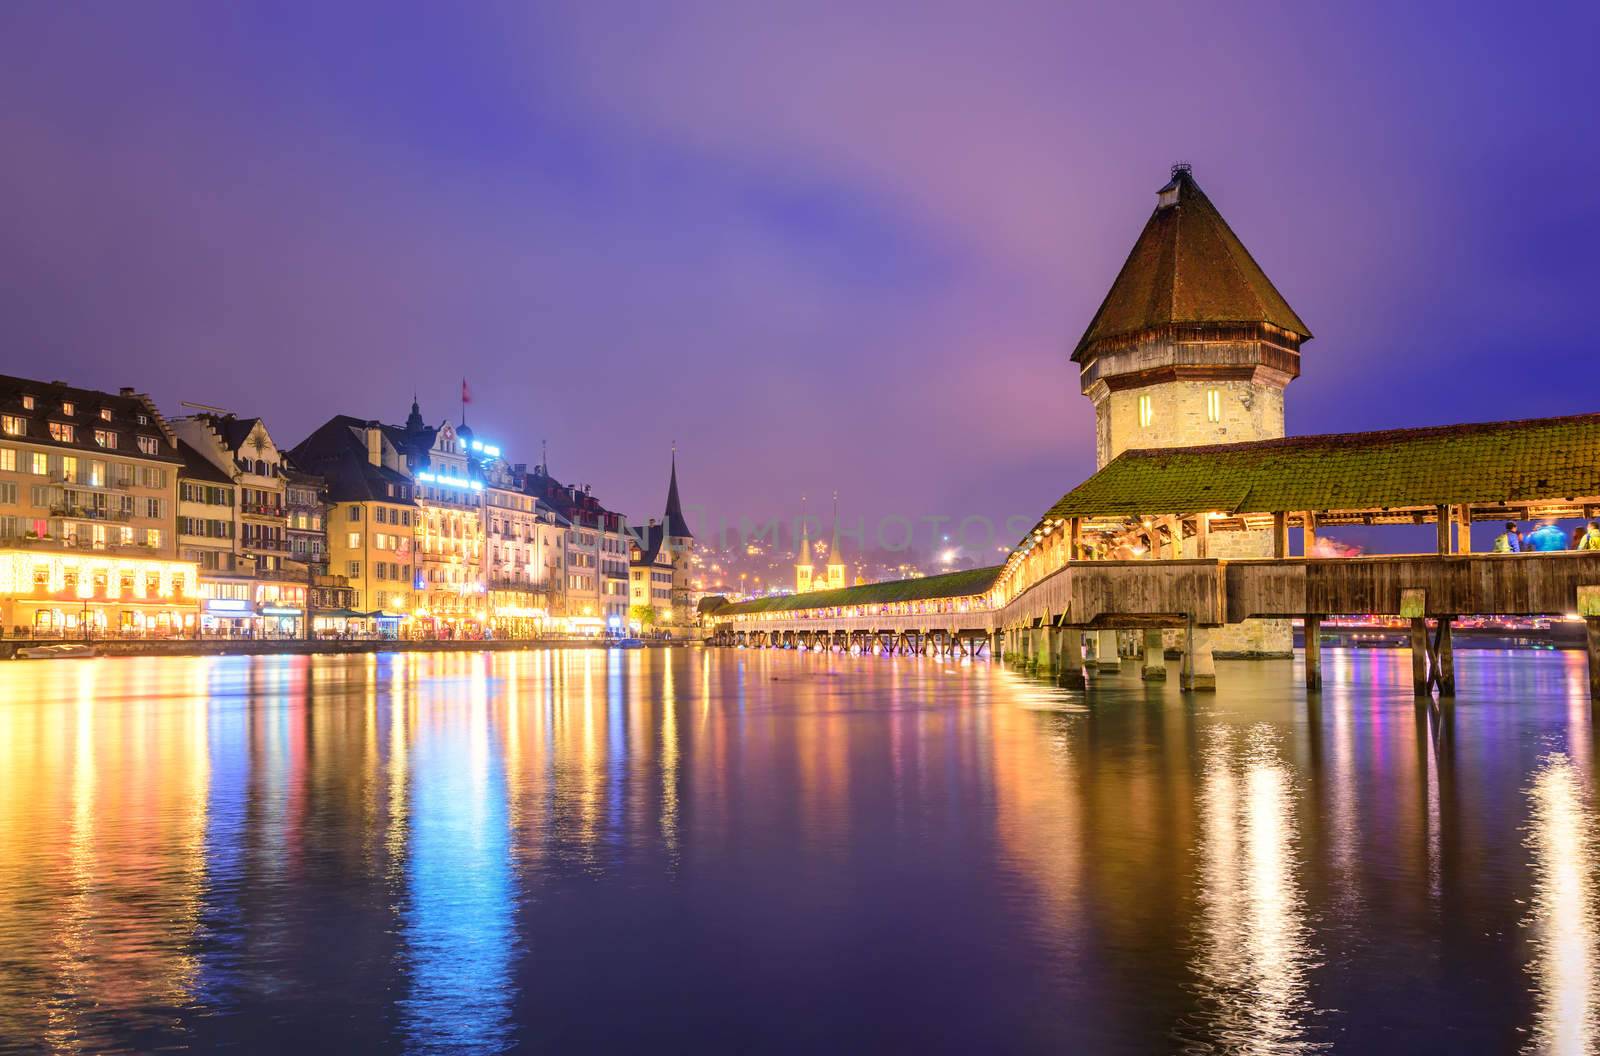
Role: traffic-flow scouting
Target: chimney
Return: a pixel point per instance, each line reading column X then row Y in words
column 374, row 446
column 125, row 391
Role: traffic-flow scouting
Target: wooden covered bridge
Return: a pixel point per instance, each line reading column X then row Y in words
column 1141, row 546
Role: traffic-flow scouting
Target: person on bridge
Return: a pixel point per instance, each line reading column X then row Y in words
column 1590, row 539
column 1510, row 540
column 1546, row 538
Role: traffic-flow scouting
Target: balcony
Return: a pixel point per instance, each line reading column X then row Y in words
column 257, row 509
column 79, row 513
column 266, row 546
column 75, row 545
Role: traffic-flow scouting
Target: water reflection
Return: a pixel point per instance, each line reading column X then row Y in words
column 778, row 852
column 1561, row 836
column 1253, row 950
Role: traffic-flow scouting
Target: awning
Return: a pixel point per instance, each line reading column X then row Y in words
column 339, row 614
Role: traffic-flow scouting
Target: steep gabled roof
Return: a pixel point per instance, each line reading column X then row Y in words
column 198, row 467
column 1188, row 267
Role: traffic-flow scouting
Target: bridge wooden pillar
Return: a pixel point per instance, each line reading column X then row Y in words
column 1419, row 656
column 1155, row 656
column 1313, row 654
column 1280, row 535
column 1443, row 517
column 1593, row 625
column 1199, row 672
column 1308, row 533
column 1044, row 648
column 1445, row 658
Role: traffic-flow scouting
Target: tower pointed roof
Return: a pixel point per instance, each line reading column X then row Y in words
column 674, row 520
column 1187, row 268
column 803, row 559
column 833, row 544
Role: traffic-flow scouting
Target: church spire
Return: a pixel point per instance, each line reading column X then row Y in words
column 835, row 559
column 676, row 525
column 803, row 570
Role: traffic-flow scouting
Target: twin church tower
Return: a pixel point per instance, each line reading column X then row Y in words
column 805, row 570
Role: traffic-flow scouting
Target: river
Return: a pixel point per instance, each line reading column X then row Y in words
column 718, row 850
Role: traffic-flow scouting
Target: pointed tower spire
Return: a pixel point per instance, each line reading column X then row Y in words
column 677, row 526
column 835, row 558
column 803, row 570
column 1193, row 343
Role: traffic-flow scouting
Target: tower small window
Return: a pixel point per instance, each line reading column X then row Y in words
column 1213, row 405
column 1147, row 412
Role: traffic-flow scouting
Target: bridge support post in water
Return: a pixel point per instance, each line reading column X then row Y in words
column 1106, row 657
column 1593, row 624
column 1444, row 659
column 1199, row 666
column 1071, row 657
column 1044, row 648
column 1419, row 656
column 1155, row 656
column 1313, row 653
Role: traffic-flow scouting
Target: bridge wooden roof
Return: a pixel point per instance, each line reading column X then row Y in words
column 1492, row 463
column 966, row 583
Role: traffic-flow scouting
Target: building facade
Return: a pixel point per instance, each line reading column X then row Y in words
column 88, row 515
column 370, row 515
column 264, row 592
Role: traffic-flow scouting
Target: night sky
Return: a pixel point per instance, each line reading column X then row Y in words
column 819, row 245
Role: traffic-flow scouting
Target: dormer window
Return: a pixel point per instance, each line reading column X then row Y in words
column 105, row 414
column 27, row 403
column 69, row 408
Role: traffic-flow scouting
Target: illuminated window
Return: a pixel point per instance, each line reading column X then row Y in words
column 149, row 445
column 27, row 403
column 13, row 425
column 69, row 408
column 1213, row 405
column 8, row 459
column 354, row 541
column 105, row 414
column 41, row 464
column 1147, row 413
column 105, row 438
column 63, row 432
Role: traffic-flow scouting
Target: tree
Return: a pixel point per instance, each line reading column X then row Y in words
column 643, row 615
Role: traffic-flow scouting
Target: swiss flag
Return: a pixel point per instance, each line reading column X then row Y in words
column 466, row 393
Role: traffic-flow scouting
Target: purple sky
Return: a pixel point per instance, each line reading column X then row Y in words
column 820, row 245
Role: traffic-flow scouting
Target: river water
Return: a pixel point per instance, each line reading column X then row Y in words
column 763, row 851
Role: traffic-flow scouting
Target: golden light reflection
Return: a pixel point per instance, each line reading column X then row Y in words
column 1253, row 951
column 1562, row 915
column 104, row 777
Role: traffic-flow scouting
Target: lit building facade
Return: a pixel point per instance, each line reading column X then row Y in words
column 264, row 593
column 524, row 554
column 88, row 514
column 453, row 597
column 370, row 514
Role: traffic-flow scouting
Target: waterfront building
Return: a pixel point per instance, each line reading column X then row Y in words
column 88, row 514
column 263, row 593
column 452, row 596
column 596, row 559
column 370, row 515
column 524, row 553
column 1193, row 345
column 660, row 563
column 305, row 518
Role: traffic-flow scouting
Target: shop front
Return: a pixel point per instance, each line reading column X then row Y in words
column 50, row 595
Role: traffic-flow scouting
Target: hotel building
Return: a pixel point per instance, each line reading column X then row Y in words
column 88, row 514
